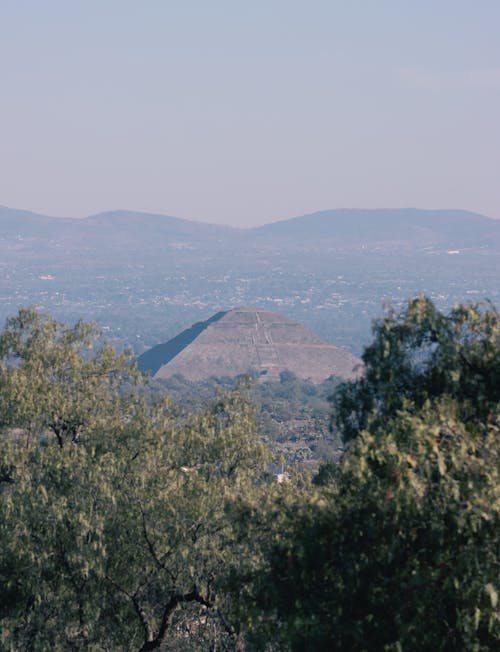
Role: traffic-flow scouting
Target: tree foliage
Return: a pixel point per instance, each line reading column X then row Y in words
column 420, row 354
column 397, row 548
column 293, row 414
column 126, row 527
column 113, row 522
column 398, row 551
column 58, row 380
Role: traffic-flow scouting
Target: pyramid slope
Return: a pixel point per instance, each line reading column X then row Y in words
column 161, row 354
column 247, row 340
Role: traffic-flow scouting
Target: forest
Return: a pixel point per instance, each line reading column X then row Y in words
column 128, row 522
column 293, row 415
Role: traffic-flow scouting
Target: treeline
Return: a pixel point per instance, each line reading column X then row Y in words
column 294, row 416
column 126, row 524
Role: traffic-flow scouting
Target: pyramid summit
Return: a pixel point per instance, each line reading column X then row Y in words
column 249, row 340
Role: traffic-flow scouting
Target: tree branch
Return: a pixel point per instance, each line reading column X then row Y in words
column 148, row 630
column 149, row 543
column 166, row 621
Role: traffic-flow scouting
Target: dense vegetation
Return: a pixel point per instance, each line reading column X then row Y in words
column 125, row 525
column 293, row 415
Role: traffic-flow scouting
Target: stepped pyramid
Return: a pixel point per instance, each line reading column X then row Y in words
column 247, row 340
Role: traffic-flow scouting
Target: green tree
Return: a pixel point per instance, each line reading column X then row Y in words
column 397, row 548
column 420, row 354
column 114, row 528
column 398, row 551
column 57, row 380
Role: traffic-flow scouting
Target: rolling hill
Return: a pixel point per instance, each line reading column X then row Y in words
column 408, row 227
column 136, row 231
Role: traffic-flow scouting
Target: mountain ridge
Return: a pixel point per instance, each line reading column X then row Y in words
column 427, row 225
column 408, row 227
column 120, row 213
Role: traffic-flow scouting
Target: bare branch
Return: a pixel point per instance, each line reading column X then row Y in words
column 166, row 621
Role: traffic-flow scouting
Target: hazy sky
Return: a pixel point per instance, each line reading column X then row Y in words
column 247, row 112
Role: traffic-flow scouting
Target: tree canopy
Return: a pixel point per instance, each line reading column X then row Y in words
column 398, row 547
column 125, row 525
column 113, row 521
column 420, row 354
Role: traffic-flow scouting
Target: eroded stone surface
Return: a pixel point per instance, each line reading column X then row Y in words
column 247, row 340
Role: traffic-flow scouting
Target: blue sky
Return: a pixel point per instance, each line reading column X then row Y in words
column 246, row 112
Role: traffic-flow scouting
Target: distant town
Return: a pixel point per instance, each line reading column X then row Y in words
column 144, row 279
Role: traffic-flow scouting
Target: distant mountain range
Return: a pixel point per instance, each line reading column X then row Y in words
column 114, row 226
column 147, row 277
column 343, row 228
column 408, row 226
